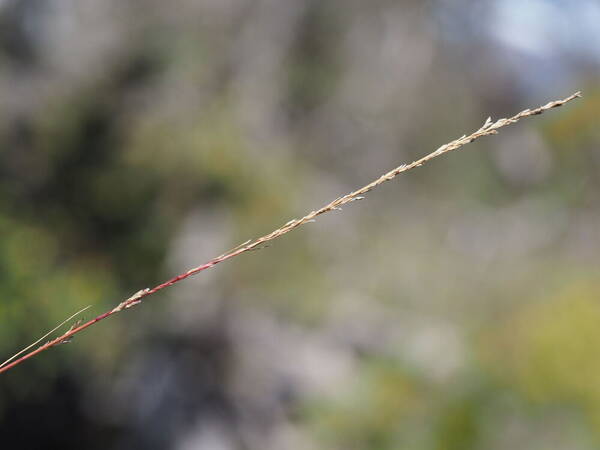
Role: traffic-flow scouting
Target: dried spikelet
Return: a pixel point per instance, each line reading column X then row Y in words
column 489, row 128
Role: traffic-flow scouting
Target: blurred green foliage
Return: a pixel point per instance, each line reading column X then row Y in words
column 461, row 301
column 547, row 347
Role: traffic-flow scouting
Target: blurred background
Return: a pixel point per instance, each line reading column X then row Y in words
column 456, row 308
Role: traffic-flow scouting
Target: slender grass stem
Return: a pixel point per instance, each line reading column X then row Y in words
column 489, row 128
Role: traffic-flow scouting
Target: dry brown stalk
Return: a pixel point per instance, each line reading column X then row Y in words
column 487, row 129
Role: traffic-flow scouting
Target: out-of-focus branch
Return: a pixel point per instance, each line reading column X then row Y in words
column 488, row 128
